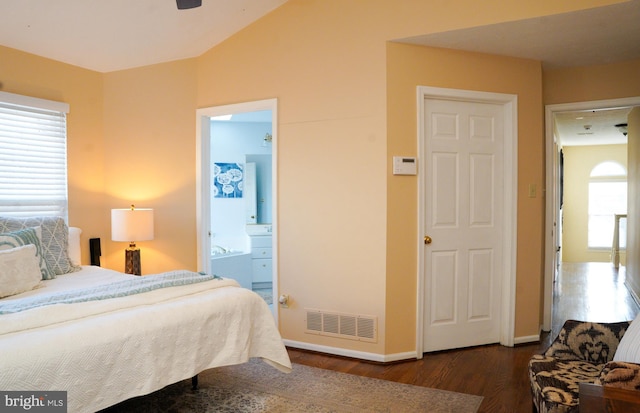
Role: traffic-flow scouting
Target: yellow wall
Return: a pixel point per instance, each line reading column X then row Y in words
column 412, row 66
column 150, row 157
column 30, row 75
column 600, row 82
column 346, row 228
column 329, row 81
column 578, row 163
column 329, row 76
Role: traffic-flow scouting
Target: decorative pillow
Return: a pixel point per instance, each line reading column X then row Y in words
column 55, row 243
column 25, row 237
column 629, row 347
column 74, row 245
column 19, row 270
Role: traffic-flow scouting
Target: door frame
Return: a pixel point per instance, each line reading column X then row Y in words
column 203, row 181
column 551, row 202
column 509, row 104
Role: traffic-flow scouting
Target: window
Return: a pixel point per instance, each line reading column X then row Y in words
column 33, row 156
column 607, row 197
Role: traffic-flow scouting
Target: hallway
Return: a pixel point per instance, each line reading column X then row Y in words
column 591, row 291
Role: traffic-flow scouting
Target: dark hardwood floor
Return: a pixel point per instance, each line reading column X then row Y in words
column 584, row 291
column 592, row 291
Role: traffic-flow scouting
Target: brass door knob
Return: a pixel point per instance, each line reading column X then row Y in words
column 427, row 239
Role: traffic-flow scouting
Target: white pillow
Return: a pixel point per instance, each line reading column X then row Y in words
column 74, row 245
column 629, row 347
column 19, row 270
column 24, row 237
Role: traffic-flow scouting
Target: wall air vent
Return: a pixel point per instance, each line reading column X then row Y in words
column 351, row 326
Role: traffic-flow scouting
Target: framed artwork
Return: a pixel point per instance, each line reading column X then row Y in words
column 228, row 180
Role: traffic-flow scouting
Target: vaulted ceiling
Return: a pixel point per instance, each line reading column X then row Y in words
column 108, row 35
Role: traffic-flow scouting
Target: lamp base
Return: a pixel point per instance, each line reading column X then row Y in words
column 132, row 261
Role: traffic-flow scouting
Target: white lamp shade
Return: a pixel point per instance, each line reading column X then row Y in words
column 132, row 224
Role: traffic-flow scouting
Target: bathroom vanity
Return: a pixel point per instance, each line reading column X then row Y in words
column 261, row 254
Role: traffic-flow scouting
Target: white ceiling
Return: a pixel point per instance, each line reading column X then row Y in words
column 591, row 127
column 588, row 37
column 108, row 35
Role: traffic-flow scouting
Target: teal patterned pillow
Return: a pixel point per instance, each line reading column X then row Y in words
column 25, row 237
column 55, row 240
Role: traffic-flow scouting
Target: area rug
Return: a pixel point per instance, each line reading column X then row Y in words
column 258, row 387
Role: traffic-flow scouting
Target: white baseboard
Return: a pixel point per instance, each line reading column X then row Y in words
column 362, row 355
column 380, row 358
column 526, row 339
column 632, row 292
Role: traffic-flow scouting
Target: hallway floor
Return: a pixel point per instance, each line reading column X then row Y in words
column 591, row 291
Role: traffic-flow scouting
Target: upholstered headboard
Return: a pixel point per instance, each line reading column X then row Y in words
column 74, row 250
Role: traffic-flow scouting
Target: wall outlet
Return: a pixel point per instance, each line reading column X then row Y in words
column 284, row 300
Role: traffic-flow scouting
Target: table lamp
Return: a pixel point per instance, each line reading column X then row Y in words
column 131, row 225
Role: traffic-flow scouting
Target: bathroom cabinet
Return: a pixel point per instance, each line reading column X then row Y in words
column 261, row 258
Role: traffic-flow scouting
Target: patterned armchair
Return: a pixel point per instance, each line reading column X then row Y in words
column 578, row 354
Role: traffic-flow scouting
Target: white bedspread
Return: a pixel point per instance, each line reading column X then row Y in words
column 107, row 351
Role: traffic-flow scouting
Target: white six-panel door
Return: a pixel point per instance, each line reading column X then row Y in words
column 463, row 253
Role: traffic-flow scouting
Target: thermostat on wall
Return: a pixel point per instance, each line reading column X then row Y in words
column 403, row 165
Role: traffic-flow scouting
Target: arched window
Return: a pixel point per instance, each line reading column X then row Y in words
column 607, row 197
column 608, row 169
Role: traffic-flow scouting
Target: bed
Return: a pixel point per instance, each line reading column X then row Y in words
column 106, row 350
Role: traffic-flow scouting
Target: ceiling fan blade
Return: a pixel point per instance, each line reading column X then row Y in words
column 188, row 4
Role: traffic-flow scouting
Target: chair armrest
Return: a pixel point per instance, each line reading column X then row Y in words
column 620, row 374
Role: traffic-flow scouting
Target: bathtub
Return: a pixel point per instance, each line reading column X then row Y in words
column 233, row 264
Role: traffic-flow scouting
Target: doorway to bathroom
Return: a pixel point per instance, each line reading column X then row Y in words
column 236, row 217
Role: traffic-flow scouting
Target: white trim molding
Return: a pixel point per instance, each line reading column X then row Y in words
column 361, row 355
column 29, row 101
column 527, row 339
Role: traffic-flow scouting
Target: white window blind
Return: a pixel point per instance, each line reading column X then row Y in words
column 33, row 156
